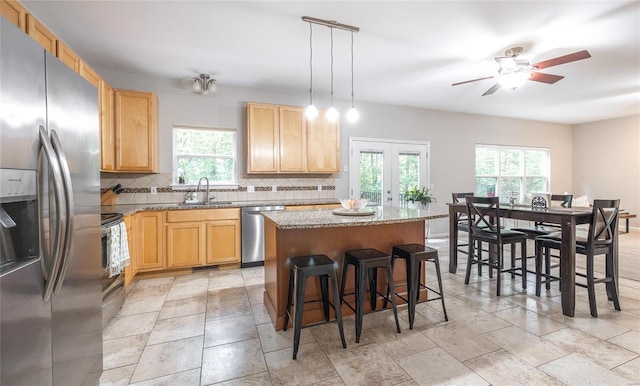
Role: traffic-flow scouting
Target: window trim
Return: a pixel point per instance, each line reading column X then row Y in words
column 174, row 157
column 523, row 176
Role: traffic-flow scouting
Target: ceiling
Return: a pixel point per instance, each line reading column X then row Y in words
column 406, row 53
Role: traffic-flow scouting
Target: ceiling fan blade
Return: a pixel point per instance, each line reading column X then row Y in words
column 473, row 80
column 492, row 89
column 545, row 78
column 584, row 54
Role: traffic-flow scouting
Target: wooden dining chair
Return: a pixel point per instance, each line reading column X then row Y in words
column 599, row 240
column 484, row 226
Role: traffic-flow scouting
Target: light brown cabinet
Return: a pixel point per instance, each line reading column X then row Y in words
column 41, row 34
column 136, row 131
column 88, row 73
column 107, row 130
column 15, row 13
column 281, row 140
column 203, row 237
column 149, row 241
column 67, row 56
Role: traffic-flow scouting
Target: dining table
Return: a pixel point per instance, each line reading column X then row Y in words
column 566, row 218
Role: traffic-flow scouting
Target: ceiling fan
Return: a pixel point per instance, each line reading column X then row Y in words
column 513, row 72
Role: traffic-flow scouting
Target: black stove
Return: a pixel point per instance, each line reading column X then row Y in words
column 109, row 219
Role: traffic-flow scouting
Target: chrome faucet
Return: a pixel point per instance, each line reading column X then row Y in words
column 207, row 196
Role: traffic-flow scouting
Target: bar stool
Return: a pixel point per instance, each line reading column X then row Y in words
column 367, row 261
column 415, row 254
column 301, row 268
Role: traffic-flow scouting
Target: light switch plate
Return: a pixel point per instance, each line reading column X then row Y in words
column 251, row 189
column 319, row 188
column 274, row 188
column 154, row 190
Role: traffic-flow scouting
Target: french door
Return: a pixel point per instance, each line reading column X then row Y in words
column 381, row 170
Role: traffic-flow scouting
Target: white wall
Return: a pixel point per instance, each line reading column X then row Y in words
column 606, row 161
column 453, row 136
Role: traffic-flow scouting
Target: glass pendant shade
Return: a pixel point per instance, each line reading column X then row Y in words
column 196, row 86
column 332, row 114
column 311, row 112
column 353, row 115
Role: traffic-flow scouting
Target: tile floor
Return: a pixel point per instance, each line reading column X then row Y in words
column 211, row 328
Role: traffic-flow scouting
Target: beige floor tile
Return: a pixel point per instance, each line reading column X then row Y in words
column 485, row 303
column 598, row 327
column 311, row 365
column 502, row 368
column 187, row 290
column 629, row 340
column 169, row 358
column 178, row 328
column 129, row 325
column 123, row 351
column 189, row 377
column 602, row 352
column 460, row 342
column 476, row 320
column 183, row 307
column 119, row 376
column 622, row 318
column 254, row 280
column 525, row 345
column 436, row 366
column 230, row 361
column 530, row 321
column 328, row 335
column 138, row 303
column 256, row 294
column 228, row 308
column 157, row 282
column 273, row 340
column 630, row 370
column 229, row 330
column 260, row 313
column 367, row 364
column 542, row 306
column 260, row 379
column 218, row 294
column 201, row 278
column 226, row 279
column 576, row 369
column 399, row 345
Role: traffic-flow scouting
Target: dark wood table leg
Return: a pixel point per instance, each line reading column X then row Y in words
column 453, row 240
column 568, row 266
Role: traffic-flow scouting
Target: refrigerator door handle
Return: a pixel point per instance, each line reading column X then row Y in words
column 68, row 197
column 58, row 188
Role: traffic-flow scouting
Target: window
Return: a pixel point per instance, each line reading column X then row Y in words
column 511, row 171
column 204, row 152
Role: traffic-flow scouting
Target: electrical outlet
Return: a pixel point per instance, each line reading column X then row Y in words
column 319, row 188
column 274, row 188
column 154, row 190
column 251, row 189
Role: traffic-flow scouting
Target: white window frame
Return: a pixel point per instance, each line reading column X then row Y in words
column 234, row 157
column 522, row 175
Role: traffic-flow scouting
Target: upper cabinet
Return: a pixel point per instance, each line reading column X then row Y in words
column 67, row 56
column 41, row 34
column 281, row 140
column 15, row 13
column 88, row 73
column 136, row 131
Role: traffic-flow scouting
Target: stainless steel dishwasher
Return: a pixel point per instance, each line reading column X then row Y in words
column 253, row 234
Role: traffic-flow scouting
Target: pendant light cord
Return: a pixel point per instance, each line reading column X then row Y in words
column 352, row 69
column 331, row 66
column 310, row 64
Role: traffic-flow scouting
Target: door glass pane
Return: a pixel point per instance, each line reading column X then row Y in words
column 510, row 162
column 408, row 173
column 371, row 164
column 486, row 186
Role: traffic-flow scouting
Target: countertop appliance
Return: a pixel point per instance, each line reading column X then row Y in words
column 253, row 234
column 50, row 292
column 113, row 295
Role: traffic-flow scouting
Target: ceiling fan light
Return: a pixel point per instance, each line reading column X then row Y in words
column 211, row 86
column 196, row 86
column 353, row 115
column 332, row 114
column 311, row 112
column 514, row 80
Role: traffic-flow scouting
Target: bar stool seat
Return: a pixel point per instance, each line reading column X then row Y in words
column 301, row 268
column 415, row 255
column 367, row 261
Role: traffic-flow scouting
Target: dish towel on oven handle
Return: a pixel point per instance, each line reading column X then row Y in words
column 118, row 249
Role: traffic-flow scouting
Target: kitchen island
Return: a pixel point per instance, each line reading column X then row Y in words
column 308, row 232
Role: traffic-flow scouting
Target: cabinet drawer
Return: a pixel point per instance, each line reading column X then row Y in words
column 203, row 215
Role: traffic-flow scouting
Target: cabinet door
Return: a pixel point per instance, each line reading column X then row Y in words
column 15, row 13
column 223, row 242
column 130, row 270
column 149, row 241
column 136, row 131
column 88, row 73
column 67, row 56
column 41, row 34
column 293, row 139
column 185, row 244
column 323, row 145
column 107, row 135
column 262, row 137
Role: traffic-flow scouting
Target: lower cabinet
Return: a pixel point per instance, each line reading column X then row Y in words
column 149, row 238
column 130, row 270
column 203, row 237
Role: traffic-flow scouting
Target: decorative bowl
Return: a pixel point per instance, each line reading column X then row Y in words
column 354, row 203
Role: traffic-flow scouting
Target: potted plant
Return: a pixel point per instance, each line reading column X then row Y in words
column 418, row 198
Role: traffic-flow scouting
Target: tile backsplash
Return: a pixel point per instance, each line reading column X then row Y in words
column 137, row 188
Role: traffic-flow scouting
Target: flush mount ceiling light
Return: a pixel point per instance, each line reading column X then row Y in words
column 332, row 113
column 204, row 85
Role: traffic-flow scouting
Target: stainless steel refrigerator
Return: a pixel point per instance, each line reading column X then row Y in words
column 50, row 262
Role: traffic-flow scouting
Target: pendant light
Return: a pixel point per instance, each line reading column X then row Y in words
column 311, row 112
column 352, row 115
column 332, row 113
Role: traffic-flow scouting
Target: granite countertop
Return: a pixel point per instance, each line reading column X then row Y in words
column 128, row 209
column 325, row 218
